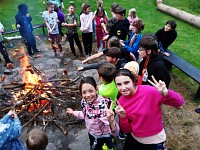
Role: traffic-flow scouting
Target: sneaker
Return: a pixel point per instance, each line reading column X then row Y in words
column 61, row 54
column 37, row 51
column 32, row 56
column 74, row 57
column 54, row 54
column 197, row 110
column 122, row 136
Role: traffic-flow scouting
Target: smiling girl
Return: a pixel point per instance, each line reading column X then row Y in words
column 99, row 119
column 140, row 113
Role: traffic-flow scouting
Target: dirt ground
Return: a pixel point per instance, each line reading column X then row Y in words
column 182, row 125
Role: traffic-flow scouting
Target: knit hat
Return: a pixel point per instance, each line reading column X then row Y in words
column 132, row 66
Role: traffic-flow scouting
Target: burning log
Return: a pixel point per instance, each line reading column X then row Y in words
column 55, row 98
column 29, row 69
column 41, row 110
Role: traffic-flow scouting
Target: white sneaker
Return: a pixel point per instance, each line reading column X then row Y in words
column 61, row 54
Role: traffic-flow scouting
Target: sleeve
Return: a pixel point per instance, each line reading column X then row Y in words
column 17, row 129
column 81, row 21
column 91, row 66
column 169, row 40
column 1, row 26
column 79, row 114
column 76, row 19
column 5, row 119
column 61, row 18
column 29, row 18
column 17, row 18
column 89, row 21
column 125, row 125
column 173, row 99
column 135, row 46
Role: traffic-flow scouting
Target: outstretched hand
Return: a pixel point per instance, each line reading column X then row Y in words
column 159, row 85
column 12, row 113
column 69, row 111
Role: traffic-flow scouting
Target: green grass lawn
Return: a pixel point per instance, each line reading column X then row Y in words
column 186, row 45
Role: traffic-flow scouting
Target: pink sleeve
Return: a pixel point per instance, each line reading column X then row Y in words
column 173, row 99
column 125, row 126
column 79, row 114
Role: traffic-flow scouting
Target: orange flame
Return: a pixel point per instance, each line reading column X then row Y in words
column 27, row 76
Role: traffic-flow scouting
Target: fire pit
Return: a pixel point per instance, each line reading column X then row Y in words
column 37, row 99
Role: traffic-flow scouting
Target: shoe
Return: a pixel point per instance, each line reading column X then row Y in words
column 54, row 54
column 32, row 56
column 37, row 51
column 9, row 66
column 74, row 57
column 197, row 110
column 61, row 54
column 122, row 136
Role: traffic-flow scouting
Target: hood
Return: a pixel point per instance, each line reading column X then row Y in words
column 23, row 9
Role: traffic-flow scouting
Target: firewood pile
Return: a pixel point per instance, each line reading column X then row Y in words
column 39, row 101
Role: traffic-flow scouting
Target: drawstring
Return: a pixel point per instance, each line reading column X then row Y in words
column 145, row 65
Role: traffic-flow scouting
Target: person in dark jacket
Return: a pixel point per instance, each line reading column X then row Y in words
column 23, row 22
column 166, row 36
column 152, row 63
column 121, row 27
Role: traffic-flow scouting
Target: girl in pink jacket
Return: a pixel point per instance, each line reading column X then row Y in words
column 140, row 113
column 99, row 119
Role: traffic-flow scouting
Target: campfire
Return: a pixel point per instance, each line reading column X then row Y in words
column 37, row 99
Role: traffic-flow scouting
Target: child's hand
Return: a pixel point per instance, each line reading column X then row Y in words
column 64, row 24
column 120, row 110
column 105, row 37
column 160, row 86
column 80, row 68
column 84, row 61
column 121, row 43
column 12, row 113
column 69, row 111
column 18, row 26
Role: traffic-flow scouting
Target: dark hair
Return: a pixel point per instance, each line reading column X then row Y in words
column 114, row 52
column 114, row 6
column 126, row 72
column 172, row 23
column 49, row 4
column 149, row 42
column 100, row 9
column 86, row 6
column 139, row 24
column 37, row 139
column 72, row 4
column 107, row 71
column 89, row 80
column 56, row 8
column 120, row 10
column 114, row 42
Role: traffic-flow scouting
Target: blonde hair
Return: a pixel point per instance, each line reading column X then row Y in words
column 133, row 67
column 132, row 13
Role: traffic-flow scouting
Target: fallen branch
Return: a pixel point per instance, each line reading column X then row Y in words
column 36, row 114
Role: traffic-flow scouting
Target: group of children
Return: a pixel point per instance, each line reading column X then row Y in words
column 125, row 83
